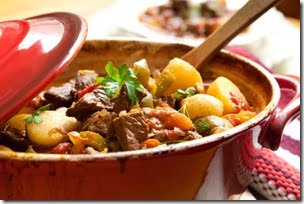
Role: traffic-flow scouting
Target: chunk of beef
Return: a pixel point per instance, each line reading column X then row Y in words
column 160, row 135
column 85, row 78
column 14, row 138
column 39, row 100
column 122, row 102
column 100, row 122
column 164, row 130
column 91, row 102
column 131, row 130
column 114, row 146
column 60, row 96
column 165, row 134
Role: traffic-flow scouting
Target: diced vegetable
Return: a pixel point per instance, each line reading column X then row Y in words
column 152, row 86
column 52, row 130
column 201, row 105
column 163, row 82
column 240, row 117
column 182, row 75
column 86, row 90
column 95, row 140
column 150, row 143
column 202, row 127
column 78, row 142
column 142, row 72
column 147, row 101
column 230, row 95
column 17, row 121
column 91, row 150
column 211, row 124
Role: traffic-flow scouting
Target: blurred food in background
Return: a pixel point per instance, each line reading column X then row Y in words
column 187, row 18
column 274, row 38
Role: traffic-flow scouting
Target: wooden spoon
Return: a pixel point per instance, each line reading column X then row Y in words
column 252, row 10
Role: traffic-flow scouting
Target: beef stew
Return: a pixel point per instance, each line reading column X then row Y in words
column 128, row 109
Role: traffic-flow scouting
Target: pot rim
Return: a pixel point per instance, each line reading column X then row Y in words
column 268, row 110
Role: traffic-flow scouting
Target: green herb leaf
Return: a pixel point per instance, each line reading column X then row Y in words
column 29, row 119
column 124, row 72
column 35, row 117
column 99, row 80
column 180, row 94
column 112, row 89
column 190, row 91
column 43, row 108
column 116, row 78
column 112, row 72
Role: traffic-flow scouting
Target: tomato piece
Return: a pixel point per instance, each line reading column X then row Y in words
column 62, row 148
column 239, row 103
column 239, row 118
column 86, row 90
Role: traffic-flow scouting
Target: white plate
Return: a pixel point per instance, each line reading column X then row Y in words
column 126, row 16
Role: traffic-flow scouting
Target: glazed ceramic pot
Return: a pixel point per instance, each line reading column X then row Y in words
column 215, row 167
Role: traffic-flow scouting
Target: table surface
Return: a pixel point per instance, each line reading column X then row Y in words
column 19, row 9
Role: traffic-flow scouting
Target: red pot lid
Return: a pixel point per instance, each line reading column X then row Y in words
column 32, row 53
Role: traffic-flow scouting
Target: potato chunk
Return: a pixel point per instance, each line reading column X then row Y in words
column 201, row 105
column 17, row 121
column 52, row 130
column 230, row 95
column 185, row 75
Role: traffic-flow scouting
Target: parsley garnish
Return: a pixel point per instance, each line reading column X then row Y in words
column 116, row 78
column 35, row 117
column 180, row 94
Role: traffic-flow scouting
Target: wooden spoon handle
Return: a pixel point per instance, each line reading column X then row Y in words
column 252, row 10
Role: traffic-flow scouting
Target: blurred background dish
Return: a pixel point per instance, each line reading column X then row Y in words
column 271, row 38
column 132, row 21
column 274, row 38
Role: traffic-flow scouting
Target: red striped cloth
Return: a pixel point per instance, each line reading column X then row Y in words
column 276, row 175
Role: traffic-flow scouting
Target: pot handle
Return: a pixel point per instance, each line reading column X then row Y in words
column 287, row 110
